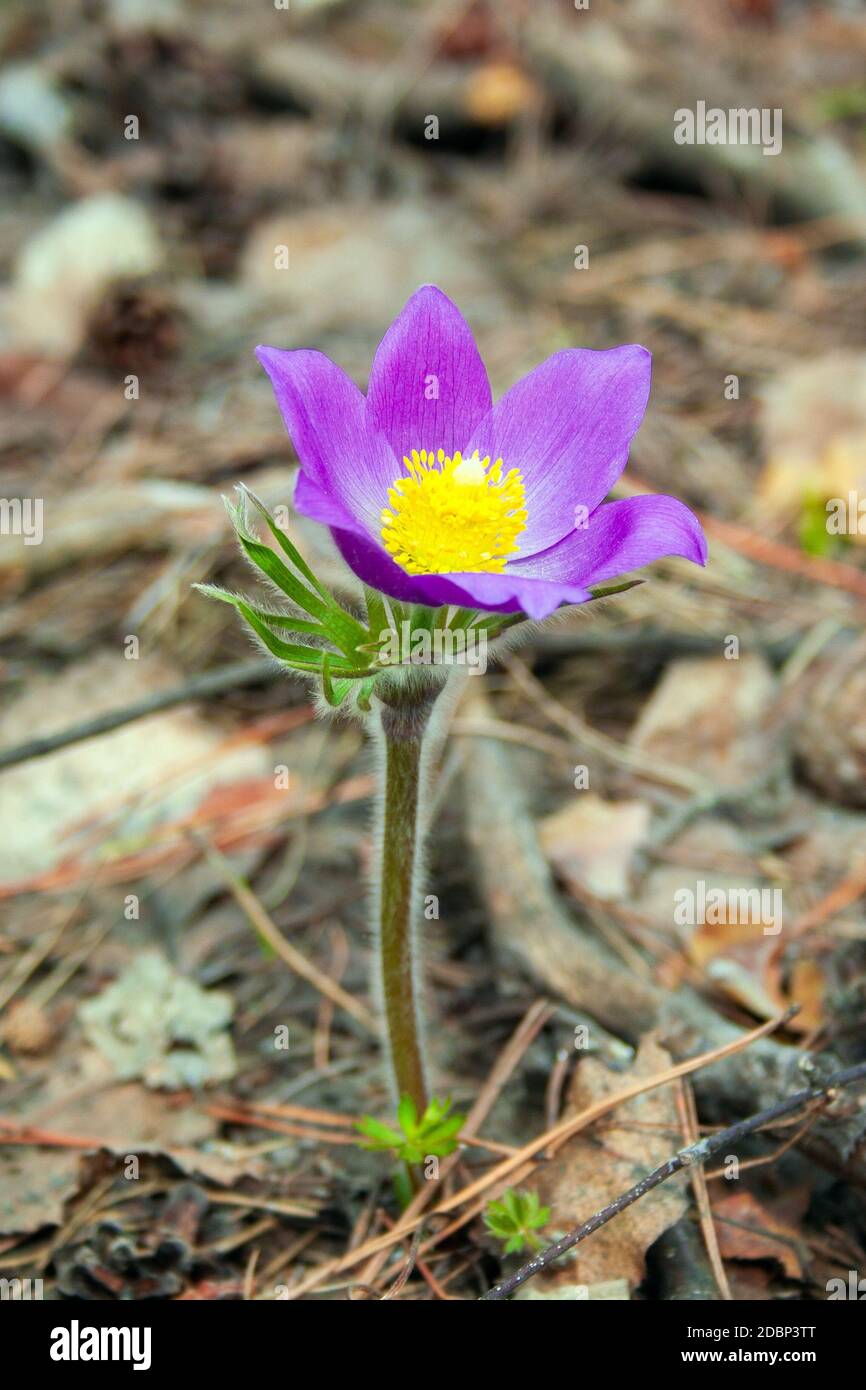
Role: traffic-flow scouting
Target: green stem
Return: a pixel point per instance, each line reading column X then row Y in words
column 405, row 714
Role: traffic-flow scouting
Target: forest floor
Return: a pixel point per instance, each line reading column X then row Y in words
column 187, row 1020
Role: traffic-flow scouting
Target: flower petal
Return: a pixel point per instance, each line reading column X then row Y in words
column 428, row 385
column 324, row 413
column 567, row 426
column 367, row 559
column 502, row 593
column 620, row 537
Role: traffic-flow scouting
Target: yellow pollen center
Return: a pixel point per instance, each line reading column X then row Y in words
column 453, row 515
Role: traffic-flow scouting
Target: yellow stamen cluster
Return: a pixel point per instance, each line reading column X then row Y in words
column 452, row 515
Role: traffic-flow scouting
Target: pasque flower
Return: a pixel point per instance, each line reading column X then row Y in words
column 435, row 495
column 451, row 507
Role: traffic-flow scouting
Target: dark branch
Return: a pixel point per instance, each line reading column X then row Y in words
column 204, row 687
column 695, row 1153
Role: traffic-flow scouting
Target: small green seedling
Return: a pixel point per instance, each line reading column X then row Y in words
column 434, row 1134
column 515, row 1218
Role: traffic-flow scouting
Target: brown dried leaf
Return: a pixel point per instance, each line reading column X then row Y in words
column 707, row 715
column 738, row 959
column 742, row 962
column 747, row 1230
column 591, row 843
column 601, row 1163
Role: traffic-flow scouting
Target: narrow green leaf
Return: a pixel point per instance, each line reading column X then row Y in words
column 605, row 590
column 444, row 1132
column 287, row 620
column 377, row 618
column 293, row 653
column 351, row 631
column 334, row 692
column 407, row 1116
column 362, row 699
column 271, row 565
column 497, row 623
column 382, row 1135
column 436, row 1111
column 496, row 1226
column 301, row 657
column 288, row 549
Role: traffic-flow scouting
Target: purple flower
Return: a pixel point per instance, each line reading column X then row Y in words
column 435, row 495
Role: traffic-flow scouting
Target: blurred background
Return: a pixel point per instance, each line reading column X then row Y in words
column 183, row 934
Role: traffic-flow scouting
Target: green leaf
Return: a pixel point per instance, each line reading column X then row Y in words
column 382, row 1136
column 334, row 691
column 407, row 1115
column 362, row 699
column 442, row 1133
column 285, row 544
column 512, row 1204
column 377, row 618
column 295, row 654
column 605, row 590
column 287, row 620
column 496, row 624
column 514, row 1219
column 271, row 565
column 347, row 630
column 432, row 1134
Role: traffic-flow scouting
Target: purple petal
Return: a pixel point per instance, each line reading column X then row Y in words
column 324, row 414
column 502, row 593
column 369, row 561
column 428, row 386
column 620, row 537
column 567, row 427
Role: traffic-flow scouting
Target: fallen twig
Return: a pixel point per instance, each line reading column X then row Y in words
column 233, row 677
column 691, row 1132
column 685, row 1158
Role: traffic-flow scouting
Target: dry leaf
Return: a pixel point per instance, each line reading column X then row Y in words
column 34, row 1186
column 170, row 761
column 807, row 988
column 598, row 1165
column 742, row 962
column 591, row 843
column 747, row 1230
column 707, row 715
column 746, row 965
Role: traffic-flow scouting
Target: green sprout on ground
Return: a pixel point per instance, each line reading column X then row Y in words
column 515, row 1218
column 433, row 1135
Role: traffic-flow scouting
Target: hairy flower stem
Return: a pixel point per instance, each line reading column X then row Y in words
column 405, row 714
